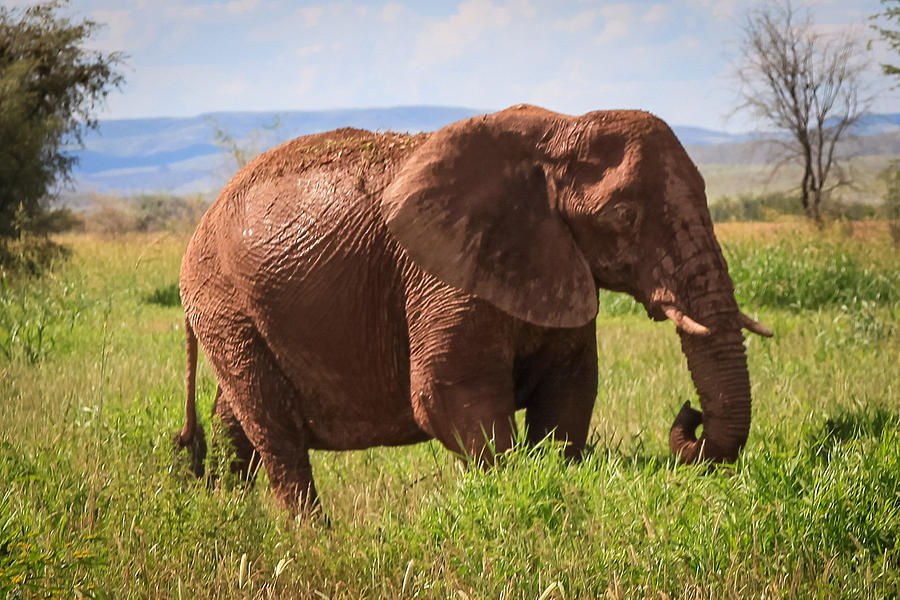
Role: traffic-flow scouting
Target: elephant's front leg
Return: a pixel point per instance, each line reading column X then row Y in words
column 560, row 386
column 461, row 383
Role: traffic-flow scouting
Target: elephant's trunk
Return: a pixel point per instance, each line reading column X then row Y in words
column 719, row 369
column 718, row 366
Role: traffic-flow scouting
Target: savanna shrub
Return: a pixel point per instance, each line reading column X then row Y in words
column 145, row 213
column 754, row 207
column 30, row 255
column 167, row 295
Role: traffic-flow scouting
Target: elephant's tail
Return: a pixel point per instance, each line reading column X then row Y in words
column 191, row 435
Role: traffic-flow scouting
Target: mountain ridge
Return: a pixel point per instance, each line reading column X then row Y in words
column 181, row 155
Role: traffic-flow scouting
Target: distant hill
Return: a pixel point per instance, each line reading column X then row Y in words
column 182, row 155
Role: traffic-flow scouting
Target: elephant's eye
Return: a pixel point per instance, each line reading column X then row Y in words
column 626, row 215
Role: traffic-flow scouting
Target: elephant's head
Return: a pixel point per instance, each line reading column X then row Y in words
column 534, row 211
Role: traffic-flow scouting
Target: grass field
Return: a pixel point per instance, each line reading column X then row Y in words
column 91, row 504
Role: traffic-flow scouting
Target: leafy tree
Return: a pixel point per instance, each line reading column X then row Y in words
column 50, row 84
column 807, row 84
column 891, row 36
column 890, row 176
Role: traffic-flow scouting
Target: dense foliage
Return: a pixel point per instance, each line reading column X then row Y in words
column 891, row 13
column 50, row 83
column 890, row 177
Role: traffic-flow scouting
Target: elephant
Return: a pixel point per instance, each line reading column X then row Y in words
column 353, row 289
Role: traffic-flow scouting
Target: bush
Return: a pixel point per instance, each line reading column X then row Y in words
column 161, row 212
column 755, row 207
column 145, row 213
column 167, row 295
column 891, row 207
column 29, row 256
column 772, row 206
column 109, row 218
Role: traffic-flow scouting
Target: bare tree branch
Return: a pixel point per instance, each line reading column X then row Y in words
column 805, row 83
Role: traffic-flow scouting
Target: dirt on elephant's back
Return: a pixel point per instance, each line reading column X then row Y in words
column 341, row 147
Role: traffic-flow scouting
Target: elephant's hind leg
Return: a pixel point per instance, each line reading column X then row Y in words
column 244, row 461
column 266, row 405
column 259, row 404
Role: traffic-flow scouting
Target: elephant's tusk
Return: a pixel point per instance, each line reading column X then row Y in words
column 684, row 322
column 752, row 325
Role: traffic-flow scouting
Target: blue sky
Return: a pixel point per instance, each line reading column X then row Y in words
column 670, row 57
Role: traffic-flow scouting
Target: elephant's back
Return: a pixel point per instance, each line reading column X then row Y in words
column 347, row 149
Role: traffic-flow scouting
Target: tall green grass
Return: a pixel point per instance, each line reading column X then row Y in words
column 808, row 275
column 797, row 274
column 94, row 504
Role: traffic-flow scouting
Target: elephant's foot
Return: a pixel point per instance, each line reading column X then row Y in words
column 293, row 486
column 196, row 448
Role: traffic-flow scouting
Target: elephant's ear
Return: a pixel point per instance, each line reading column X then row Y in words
column 471, row 207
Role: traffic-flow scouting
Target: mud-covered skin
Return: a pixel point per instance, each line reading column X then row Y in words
column 353, row 289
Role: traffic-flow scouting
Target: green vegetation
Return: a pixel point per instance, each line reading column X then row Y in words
column 92, row 503
column 891, row 13
column 50, row 84
column 890, row 178
column 749, row 207
column 800, row 273
column 775, row 206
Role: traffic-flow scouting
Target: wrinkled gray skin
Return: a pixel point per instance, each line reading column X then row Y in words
column 353, row 289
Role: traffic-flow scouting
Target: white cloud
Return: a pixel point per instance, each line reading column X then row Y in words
column 235, row 87
column 576, row 23
column 237, row 7
column 565, row 91
column 689, row 42
column 446, row 39
column 311, row 15
column 178, row 11
column 617, row 22
column 722, row 9
column 524, row 8
column 197, row 12
column 310, row 50
column 117, row 33
column 391, row 12
column 304, row 83
column 655, row 13
column 285, row 54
